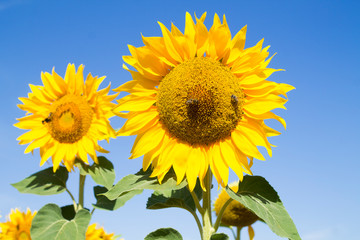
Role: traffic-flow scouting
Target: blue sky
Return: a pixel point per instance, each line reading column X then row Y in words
column 315, row 167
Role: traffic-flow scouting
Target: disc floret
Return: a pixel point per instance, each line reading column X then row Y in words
column 200, row 101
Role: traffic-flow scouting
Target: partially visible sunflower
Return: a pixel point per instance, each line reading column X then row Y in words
column 67, row 117
column 235, row 214
column 95, row 233
column 199, row 99
column 18, row 225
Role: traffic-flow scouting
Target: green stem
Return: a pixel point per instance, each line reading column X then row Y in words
column 72, row 198
column 197, row 220
column 92, row 211
column 233, row 233
column 238, row 230
column 81, row 191
column 197, row 202
column 208, row 229
column 222, row 210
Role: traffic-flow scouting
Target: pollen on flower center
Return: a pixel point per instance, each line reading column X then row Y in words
column 69, row 119
column 200, row 101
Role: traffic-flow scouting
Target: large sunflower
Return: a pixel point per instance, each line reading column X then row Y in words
column 199, row 99
column 66, row 117
column 18, row 225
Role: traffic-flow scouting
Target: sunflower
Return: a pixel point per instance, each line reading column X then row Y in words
column 235, row 214
column 66, row 117
column 94, row 233
column 18, row 226
column 198, row 101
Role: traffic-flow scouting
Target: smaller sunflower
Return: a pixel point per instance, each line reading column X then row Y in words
column 67, row 117
column 235, row 214
column 95, row 233
column 18, row 226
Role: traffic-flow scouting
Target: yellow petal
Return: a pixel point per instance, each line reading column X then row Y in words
column 180, row 154
column 70, row 78
column 245, row 145
column 192, row 172
column 37, row 143
column 134, row 103
column 228, row 154
column 263, row 105
column 220, row 167
column 170, row 43
column 139, row 123
column 79, row 80
column 251, row 232
column 146, row 141
column 49, row 151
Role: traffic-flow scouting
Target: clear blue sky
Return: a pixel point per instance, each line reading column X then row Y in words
column 315, row 167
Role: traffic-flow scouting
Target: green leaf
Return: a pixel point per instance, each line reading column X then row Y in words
column 174, row 198
column 106, row 204
column 259, row 196
column 164, row 234
column 102, row 173
column 44, row 182
column 49, row 224
column 219, row 236
column 141, row 181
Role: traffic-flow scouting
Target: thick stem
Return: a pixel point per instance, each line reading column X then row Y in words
column 238, row 230
column 81, row 191
column 208, row 229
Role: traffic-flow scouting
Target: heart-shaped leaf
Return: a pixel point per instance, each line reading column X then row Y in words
column 49, row 224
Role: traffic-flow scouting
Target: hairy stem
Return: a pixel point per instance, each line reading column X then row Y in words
column 208, row 229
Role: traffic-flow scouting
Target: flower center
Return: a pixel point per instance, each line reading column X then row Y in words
column 69, row 119
column 24, row 236
column 200, row 101
column 237, row 215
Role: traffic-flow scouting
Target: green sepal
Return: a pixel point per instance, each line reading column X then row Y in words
column 141, row 181
column 219, row 236
column 180, row 198
column 104, row 203
column 164, row 234
column 49, row 224
column 45, row 182
column 259, row 196
column 102, row 173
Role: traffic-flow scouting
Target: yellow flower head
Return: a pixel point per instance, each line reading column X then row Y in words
column 66, row 117
column 235, row 213
column 199, row 99
column 18, row 226
column 95, row 233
